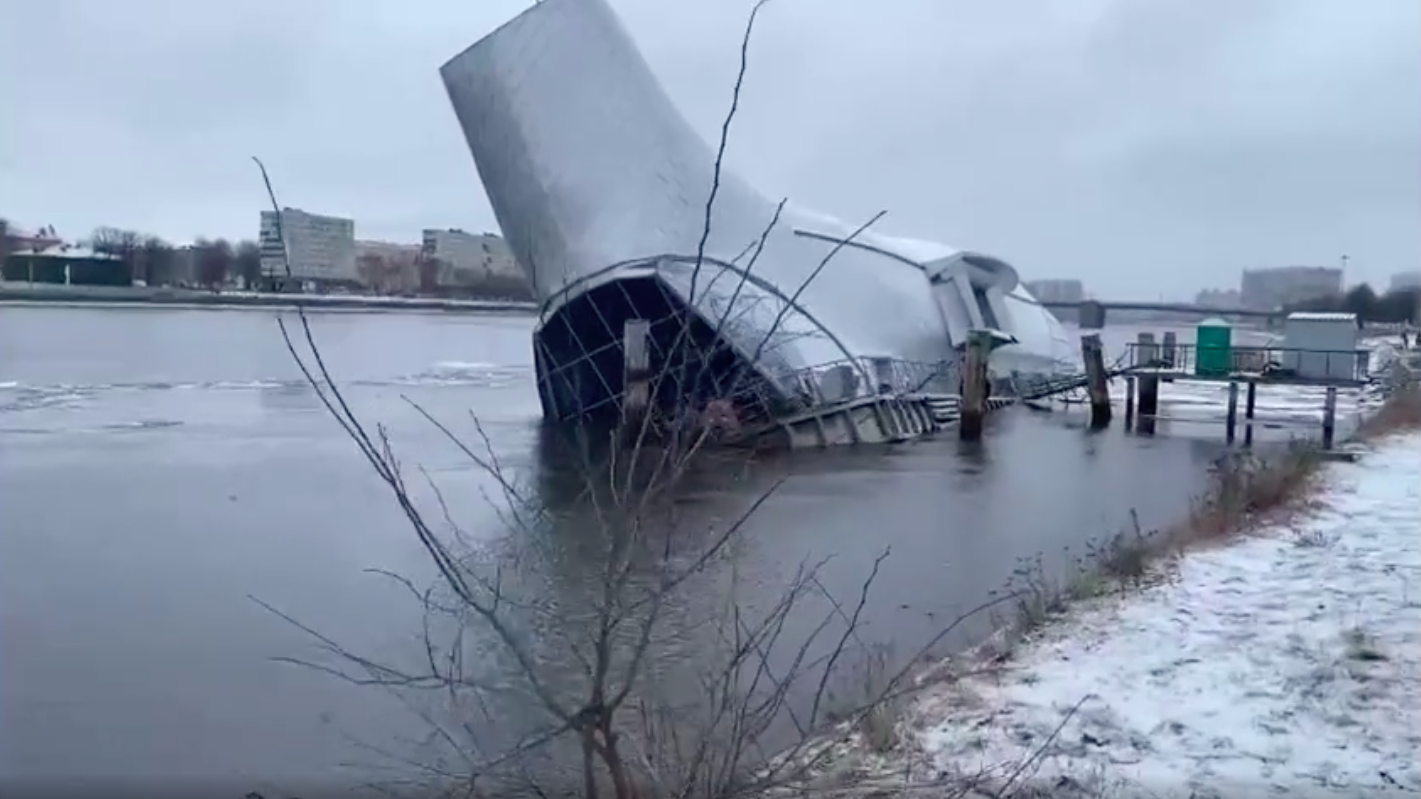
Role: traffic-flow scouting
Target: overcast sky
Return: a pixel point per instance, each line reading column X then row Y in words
column 1150, row 147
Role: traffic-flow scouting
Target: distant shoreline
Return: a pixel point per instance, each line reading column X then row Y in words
column 26, row 295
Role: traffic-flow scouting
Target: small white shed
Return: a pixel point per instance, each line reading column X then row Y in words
column 1322, row 346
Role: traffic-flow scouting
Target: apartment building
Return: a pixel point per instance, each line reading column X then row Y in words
column 1270, row 289
column 321, row 248
column 469, row 259
column 1218, row 298
column 1405, row 280
column 1066, row 290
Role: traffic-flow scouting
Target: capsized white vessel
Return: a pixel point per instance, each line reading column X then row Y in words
column 600, row 186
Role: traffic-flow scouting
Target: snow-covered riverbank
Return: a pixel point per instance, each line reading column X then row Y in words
column 1285, row 662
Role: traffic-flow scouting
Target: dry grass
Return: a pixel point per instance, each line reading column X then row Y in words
column 1246, row 491
column 861, row 681
column 1402, row 411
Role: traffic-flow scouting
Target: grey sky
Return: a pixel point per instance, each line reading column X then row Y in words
column 1151, row 147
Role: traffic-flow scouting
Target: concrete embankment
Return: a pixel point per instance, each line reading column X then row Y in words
column 27, row 294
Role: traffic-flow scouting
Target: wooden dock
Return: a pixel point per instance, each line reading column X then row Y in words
column 1243, row 369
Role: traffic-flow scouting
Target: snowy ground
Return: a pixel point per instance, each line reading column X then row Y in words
column 1284, row 664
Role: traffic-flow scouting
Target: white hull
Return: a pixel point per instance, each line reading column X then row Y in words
column 599, row 185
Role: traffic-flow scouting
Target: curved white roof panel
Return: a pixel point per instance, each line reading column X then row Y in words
column 588, row 165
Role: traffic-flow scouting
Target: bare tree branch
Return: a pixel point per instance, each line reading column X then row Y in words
column 610, row 729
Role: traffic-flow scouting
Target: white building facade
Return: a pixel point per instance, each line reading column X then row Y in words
column 320, row 248
column 1405, row 280
column 468, row 258
column 1279, row 287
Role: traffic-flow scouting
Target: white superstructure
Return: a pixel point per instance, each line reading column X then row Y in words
column 599, row 185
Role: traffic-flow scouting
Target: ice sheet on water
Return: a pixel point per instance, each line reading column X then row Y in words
column 1286, row 662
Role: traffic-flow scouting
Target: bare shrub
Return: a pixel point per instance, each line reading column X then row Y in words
column 857, row 687
column 541, row 690
column 1312, row 539
column 1247, row 489
column 1362, row 645
column 1036, row 598
column 1401, row 411
column 1125, row 557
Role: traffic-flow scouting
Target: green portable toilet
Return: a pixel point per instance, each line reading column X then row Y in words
column 1213, row 347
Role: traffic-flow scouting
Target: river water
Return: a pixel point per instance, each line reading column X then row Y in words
column 159, row 469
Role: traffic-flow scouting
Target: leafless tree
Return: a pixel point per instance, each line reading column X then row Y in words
column 247, row 262
column 4, row 240
column 374, row 271
column 125, row 245
column 609, row 725
column 116, row 242
column 159, row 261
column 430, row 269
column 214, row 261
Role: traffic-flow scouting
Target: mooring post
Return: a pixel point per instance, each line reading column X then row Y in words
column 1146, row 350
column 1171, row 346
column 1329, row 417
column 636, row 375
column 1091, row 315
column 1248, row 409
column 973, row 408
column 1097, row 381
column 1147, row 358
column 1148, row 402
column 1231, row 420
column 1129, row 402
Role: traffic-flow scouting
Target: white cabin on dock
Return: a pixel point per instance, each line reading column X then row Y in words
column 1322, row 346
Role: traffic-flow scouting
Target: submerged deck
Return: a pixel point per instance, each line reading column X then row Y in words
column 867, row 420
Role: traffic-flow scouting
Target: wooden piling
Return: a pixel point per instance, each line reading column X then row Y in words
column 1091, row 315
column 1248, row 413
column 1146, row 350
column 1171, row 349
column 973, row 408
column 1329, row 417
column 1148, row 402
column 1231, row 419
column 1097, row 380
column 1129, row 402
column 636, row 375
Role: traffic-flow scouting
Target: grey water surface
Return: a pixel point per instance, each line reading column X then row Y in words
column 160, row 468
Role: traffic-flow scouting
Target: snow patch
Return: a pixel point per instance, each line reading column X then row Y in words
column 1287, row 662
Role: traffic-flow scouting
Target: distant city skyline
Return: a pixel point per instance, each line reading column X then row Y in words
column 1147, row 149
column 1381, row 277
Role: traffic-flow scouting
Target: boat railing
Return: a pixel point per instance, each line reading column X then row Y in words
column 847, row 379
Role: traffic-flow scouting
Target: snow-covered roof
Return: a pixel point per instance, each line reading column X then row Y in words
column 41, row 234
column 917, row 250
column 64, row 251
column 1321, row 316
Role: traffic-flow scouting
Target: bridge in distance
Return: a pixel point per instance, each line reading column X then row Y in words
column 1092, row 312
